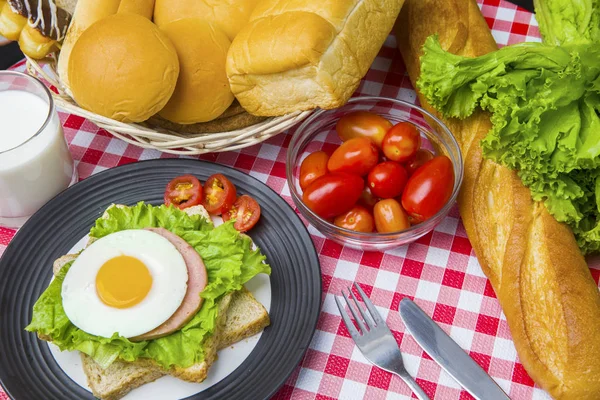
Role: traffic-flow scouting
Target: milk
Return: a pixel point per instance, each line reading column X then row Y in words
column 35, row 163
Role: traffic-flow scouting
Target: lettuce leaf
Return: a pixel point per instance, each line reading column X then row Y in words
column 230, row 262
column 568, row 21
column 545, row 105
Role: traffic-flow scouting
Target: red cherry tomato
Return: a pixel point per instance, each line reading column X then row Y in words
column 362, row 124
column 333, row 194
column 356, row 156
column 420, row 158
column 401, row 142
column 367, row 199
column 245, row 211
column 219, row 194
column 390, row 217
column 358, row 219
column 313, row 167
column 387, row 179
column 429, row 188
column 183, row 192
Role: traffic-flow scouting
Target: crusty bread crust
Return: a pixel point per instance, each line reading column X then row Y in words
column 542, row 281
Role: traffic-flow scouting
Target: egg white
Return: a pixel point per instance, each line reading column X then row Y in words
column 166, row 265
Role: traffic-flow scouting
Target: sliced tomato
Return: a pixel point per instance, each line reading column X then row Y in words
column 358, row 219
column 362, row 124
column 219, row 194
column 313, row 167
column 355, row 156
column 401, row 142
column 387, row 179
column 183, row 192
column 390, row 217
column 333, row 194
column 420, row 158
column 245, row 211
column 429, row 188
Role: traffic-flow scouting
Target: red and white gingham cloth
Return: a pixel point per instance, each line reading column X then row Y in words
column 440, row 271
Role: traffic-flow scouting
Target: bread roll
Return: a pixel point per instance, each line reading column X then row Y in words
column 542, row 281
column 86, row 13
column 228, row 15
column 202, row 92
column 123, row 67
column 300, row 54
column 145, row 8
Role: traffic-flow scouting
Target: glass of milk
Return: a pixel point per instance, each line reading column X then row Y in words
column 35, row 163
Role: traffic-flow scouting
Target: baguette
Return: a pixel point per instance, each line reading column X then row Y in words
column 542, row 281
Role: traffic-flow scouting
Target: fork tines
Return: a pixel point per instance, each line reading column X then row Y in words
column 372, row 319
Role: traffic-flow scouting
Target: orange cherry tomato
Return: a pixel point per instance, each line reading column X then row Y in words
column 390, row 217
column 420, row 158
column 362, row 124
column 401, row 142
column 387, row 179
column 333, row 194
column 219, row 195
column 358, row 219
column 183, row 192
column 313, row 167
column 355, row 156
column 429, row 188
column 245, row 211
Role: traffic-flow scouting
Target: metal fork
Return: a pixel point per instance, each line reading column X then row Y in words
column 375, row 340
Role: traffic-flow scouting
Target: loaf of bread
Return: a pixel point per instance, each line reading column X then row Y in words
column 301, row 54
column 542, row 281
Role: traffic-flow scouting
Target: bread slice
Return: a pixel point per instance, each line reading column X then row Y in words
column 245, row 318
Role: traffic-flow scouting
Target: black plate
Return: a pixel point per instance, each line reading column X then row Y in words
column 28, row 370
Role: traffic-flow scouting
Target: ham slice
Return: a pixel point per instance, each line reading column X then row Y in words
column 196, row 283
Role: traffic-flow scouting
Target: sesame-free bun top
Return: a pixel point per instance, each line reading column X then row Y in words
column 229, row 15
column 202, row 92
column 123, row 67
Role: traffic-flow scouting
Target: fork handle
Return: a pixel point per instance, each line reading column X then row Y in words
column 420, row 393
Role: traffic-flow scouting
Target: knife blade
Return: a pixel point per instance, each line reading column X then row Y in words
column 448, row 354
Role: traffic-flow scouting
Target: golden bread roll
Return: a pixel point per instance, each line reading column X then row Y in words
column 301, row 54
column 542, row 281
column 11, row 23
column 145, row 8
column 202, row 92
column 123, row 67
column 229, row 15
column 86, row 13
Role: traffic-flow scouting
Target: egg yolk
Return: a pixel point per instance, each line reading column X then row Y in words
column 123, row 282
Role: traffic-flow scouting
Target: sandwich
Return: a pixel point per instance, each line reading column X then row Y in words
column 157, row 291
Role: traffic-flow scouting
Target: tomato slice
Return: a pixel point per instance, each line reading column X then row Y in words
column 183, row 192
column 245, row 211
column 420, row 158
column 362, row 124
column 390, row 217
column 358, row 219
column 356, row 156
column 387, row 179
column 313, row 167
column 429, row 188
column 333, row 194
column 401, row 142
column 219, row 194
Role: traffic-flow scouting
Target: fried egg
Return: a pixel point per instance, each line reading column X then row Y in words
column 128, row 282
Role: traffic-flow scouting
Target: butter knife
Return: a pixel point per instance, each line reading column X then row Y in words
column 446, row 352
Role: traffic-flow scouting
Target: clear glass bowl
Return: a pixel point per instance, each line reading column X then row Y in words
column 317, row 132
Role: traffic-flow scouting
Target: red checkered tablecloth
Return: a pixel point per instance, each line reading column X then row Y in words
column 440, row 271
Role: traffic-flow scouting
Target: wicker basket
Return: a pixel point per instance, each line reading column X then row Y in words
column 163, row 139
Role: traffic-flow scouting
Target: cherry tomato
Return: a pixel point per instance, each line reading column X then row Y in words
column 401, row 142
column 183, row 191
column 387, row 179
column 358, row 219
column 390, row 217
column 313, row 166
column 362, row 124
column 420, row 158
column 245, row 211
column 219, row 194
column 356, row 156
column 367, row 199
column 429, row 188
column 333, row 194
